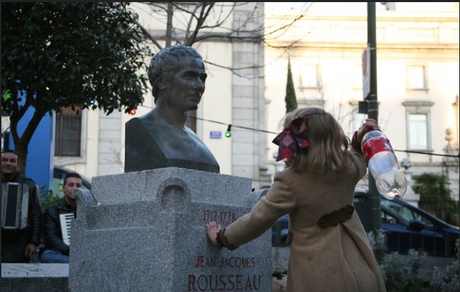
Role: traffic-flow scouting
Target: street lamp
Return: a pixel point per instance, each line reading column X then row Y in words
column 373, row 112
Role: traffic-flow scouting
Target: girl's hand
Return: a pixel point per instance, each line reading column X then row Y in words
column 212, row 228
column 368, row 125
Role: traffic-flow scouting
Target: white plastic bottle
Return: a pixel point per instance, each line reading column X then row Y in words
column 383, row 164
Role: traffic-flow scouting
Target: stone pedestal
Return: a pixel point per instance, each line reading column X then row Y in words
column 35, row 277
column 144, row 231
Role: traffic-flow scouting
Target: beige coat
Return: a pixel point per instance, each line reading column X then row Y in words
column 333, row 259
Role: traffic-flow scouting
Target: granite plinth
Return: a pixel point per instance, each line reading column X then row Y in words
column 144, row 231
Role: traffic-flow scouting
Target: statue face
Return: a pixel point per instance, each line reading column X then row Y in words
column 186, row 85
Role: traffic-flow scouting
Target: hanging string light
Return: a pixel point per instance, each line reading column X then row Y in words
column 133, row 110
column 228, row 134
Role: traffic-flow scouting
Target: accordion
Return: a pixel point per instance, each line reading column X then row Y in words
column 15, row 205
column 66, row 219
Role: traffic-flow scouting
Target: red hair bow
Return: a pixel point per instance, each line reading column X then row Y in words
column 290, row 139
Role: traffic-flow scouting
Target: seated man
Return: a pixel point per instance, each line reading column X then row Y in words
column 56, row 246
column 160, row 138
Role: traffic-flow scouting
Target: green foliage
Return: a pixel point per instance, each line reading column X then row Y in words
column 6, row 94
column 435, row 197
column 431, row 186
column 60, row 54
column 290, row 99
column 66, row 53
column 47, row 198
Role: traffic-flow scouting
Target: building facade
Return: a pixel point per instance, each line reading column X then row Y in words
column 234, row 96
column 417, row 76
column 417, row 85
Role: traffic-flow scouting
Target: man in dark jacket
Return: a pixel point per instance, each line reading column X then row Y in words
column 55, row 220
column 21, row 227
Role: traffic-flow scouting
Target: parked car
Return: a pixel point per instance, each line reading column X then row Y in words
column 405, row 226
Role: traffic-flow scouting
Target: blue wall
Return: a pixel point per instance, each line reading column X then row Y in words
column 40, row 160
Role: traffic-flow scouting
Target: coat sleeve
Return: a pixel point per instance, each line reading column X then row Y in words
column 359, row 163
column 279, row 201
column 52, row 234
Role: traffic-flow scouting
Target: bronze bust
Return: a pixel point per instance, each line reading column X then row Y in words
column 160, row 138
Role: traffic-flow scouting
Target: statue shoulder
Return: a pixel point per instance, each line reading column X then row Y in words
column 151, row 117
column 191, row 133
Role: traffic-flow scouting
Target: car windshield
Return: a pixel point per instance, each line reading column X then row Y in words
column 394, row 213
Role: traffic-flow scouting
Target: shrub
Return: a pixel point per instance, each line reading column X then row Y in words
column 435, row 197
column 404, row 274
column 47, row 198
column 446, row 279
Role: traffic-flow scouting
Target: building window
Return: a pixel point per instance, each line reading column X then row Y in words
column 418, row 131
column 68, row 132
column 309, row 76
column 416, row 77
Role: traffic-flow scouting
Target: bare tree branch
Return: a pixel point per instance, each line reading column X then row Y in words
column 234, row 70
column 150, row 37
column 195, row 22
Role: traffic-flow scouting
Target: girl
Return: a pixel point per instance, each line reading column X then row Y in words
column 329, row 249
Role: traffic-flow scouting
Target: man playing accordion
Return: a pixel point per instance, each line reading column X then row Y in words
column 21, row 213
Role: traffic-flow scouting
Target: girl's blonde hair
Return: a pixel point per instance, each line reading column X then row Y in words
column 328, row 144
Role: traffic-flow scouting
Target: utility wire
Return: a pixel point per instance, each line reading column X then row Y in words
column 270, row 132
column 428, row 153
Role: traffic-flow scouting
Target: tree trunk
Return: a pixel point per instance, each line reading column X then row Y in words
column 21, row 144
column 21, row 149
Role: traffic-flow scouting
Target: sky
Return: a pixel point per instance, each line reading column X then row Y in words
column 345, row 6
column 342, row 6
column 361, row 6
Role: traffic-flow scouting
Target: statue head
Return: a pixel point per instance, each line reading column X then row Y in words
column 163, row 64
